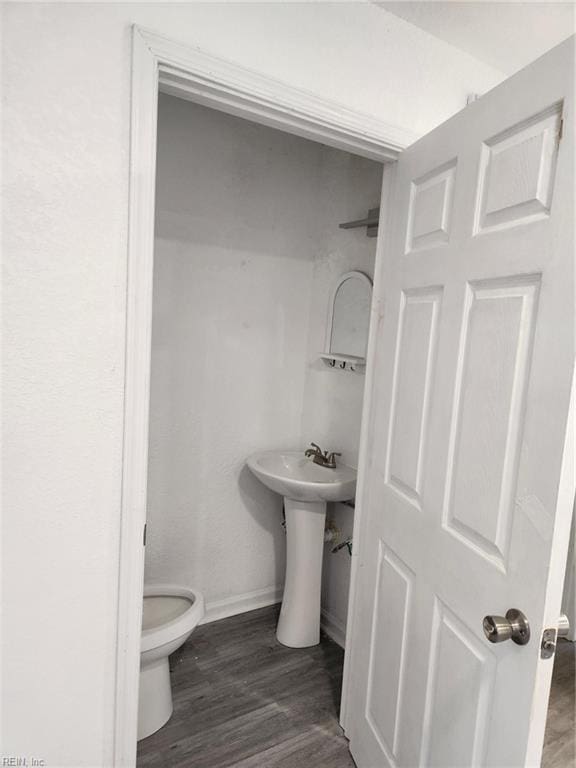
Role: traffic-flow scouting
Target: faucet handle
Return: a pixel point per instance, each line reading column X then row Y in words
column 314, row 451
column 331, row 459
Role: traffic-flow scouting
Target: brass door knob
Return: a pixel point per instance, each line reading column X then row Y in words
column 514, row 626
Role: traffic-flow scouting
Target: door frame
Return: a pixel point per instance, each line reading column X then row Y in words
column 366, row 433
column 186, row 72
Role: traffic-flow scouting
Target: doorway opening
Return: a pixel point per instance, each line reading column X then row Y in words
column 247, row 254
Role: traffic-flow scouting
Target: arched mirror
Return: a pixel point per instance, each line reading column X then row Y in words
column 349, row 320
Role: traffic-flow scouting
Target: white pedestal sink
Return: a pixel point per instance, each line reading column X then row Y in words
column 306, row 488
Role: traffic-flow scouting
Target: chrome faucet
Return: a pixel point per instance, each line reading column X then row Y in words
column 323, row 459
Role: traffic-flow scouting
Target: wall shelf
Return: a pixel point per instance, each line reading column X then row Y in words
column 344, row 362
column 370, row 222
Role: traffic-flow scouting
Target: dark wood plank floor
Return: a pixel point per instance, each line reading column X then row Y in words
column 560, row 740
column 242, row 700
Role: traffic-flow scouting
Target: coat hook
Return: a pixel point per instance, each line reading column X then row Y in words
column 343, row 364
column 332, row 363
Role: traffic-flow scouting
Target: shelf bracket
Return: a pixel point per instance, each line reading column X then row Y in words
column 370, row 222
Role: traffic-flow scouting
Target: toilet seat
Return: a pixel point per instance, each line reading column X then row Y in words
column 161, row 609
column 169, row 611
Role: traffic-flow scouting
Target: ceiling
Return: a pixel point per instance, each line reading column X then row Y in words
column 507, row 36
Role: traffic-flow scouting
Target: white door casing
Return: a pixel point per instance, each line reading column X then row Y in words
column 469, row 478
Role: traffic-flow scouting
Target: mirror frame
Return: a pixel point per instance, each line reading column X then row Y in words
column 356, row 274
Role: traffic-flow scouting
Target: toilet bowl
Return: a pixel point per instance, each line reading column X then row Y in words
column 170, row 613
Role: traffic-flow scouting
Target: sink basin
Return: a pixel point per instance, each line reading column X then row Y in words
column 306, row 488
column 297, row 477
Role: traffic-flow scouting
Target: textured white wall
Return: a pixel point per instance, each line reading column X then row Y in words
column 247, row 250
column 236, row 235
column 66, row 75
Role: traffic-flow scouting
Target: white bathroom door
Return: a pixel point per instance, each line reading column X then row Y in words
column 469, row 478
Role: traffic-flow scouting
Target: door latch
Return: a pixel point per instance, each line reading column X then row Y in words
column 548, row 644
column 550, row 636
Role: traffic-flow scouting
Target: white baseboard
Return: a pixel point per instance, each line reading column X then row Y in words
column 260, row 598
column 333, row 627
column 248, row 601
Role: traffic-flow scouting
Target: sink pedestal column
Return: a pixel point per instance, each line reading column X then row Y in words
column 299, row 623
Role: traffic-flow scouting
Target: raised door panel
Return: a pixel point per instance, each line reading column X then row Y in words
column 491, row 381
column 386, row 671
column 413, row 372
column 517, row 170
column 430, row 208
column 460, row 681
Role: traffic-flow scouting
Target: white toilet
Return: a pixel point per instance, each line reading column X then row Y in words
column 170, row 614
